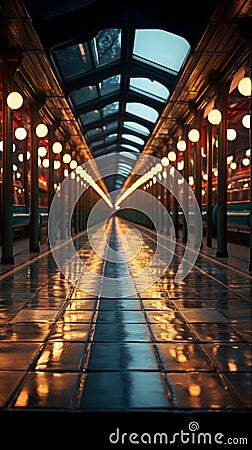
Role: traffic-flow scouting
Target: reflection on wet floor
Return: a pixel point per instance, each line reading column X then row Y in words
column 150, row 345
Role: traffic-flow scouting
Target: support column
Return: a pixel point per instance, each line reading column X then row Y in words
column 246, row 35
column 34, row 221
column 7, row 210
column 11, row 62
column 197, row 158
column 221, row 88
column 209, row 152
column 250, row 139
column 222, row 177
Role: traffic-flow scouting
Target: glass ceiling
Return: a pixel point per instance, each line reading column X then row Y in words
column 118, row 84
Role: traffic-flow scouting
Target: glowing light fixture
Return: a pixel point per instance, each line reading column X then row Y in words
column 66, row 158
column 194, row 135
column 45, row 163
column 246, row 121
column 20, row 133
column 231, row 134
column 42, row 151
column 244, row 86
column 73, row 164
column 56, row 164
column 172, row 156
column 246, row 162
column 165, row 161
column 57, row 147
column 214, row 116
column 41, row 130
column 181, row 145
column 15, row 100
column 233, row 165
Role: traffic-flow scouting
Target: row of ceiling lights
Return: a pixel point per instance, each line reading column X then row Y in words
column 15, row 101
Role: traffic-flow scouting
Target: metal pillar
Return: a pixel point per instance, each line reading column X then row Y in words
column 222, row 178
column 209, row 151
column 198, row 177
column 250, row 139
column 185, row 198
column 246, row 35
column 7, row 227
column 34, row 222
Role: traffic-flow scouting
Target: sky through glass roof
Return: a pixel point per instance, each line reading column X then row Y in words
column 118, row 84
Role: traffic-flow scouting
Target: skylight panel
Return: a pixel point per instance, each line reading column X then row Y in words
column 149, row 87
column 90, row 116
column 142, row 110
column 130, row 147
column 93, row 132
column 135, row 126
column 88, row 93
column 110, row 109
column 133, row 138
column 161, row 48
column 107, row 46
column 128, row 155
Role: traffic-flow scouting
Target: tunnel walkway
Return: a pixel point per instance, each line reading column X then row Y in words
column 151, row 346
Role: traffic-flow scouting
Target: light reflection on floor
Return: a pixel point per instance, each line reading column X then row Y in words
column 168, row 347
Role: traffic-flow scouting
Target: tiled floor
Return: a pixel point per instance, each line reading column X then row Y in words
column 170, row 348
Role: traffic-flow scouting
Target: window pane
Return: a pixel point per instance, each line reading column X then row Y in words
column 134, row 126
column 110, row 109
column 84, row 94
column 141, row 110
column 161, row 48
column 151, row 88
column 74, row 60
column 133, row 138
column 107, row 46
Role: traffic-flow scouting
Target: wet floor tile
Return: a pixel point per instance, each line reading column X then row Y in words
column 9, row 380
column 45, row 302
column 35, row 315
column 167, row 316
column 80, row 294
column 242, row 384
column 17, row 355
column 124, row 316
column 61, row 356
column 201, row 391
column 171, row 332
column 75, row 305
column 121, row 356
column 215, row 332
column 106, row 391
column 149, row 294
column 189, row 303
column 230, row 357
column 7, row 315
column 12, row 302
column 119, row 304
column 47, row 390
column 236, row 314
column 117, row 332
column 68, row 331
column 78, row 316
column 183, row 357
column 157, row 304
column 202, row 315
column 244, row 329
column 24, row 331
